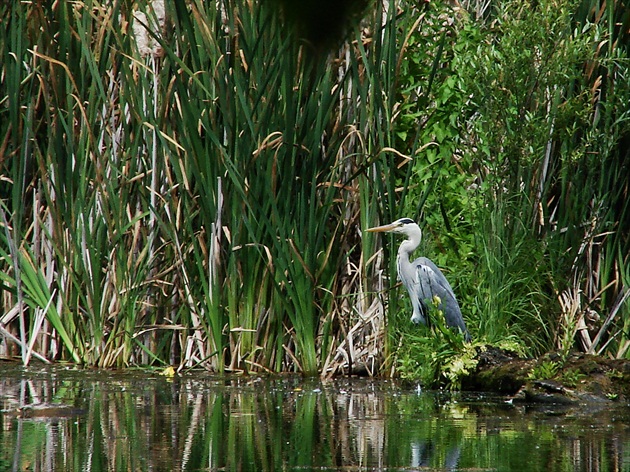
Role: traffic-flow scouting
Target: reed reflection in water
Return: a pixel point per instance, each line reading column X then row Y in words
column 66, row 419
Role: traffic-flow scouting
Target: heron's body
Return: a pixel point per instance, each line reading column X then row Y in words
column 422, row 278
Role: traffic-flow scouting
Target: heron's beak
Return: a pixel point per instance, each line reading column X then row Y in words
column 381, row 229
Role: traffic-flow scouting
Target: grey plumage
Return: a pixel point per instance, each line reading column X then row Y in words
column 422, row 278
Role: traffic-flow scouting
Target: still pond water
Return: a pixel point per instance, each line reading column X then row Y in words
column 80, row 420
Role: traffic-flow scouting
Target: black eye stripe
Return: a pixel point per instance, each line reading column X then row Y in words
column 405, row 221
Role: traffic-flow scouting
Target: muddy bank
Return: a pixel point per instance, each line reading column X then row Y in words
column 573, row 379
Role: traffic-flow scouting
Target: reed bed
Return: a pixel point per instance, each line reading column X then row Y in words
column 185, row 183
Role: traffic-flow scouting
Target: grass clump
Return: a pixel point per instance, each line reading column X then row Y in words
column 435, row 356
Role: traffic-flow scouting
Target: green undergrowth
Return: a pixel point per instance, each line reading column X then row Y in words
column 434, row 355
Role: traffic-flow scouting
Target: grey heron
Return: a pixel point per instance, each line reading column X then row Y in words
column 422, row 278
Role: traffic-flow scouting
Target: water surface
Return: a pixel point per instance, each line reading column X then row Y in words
column 71, row 419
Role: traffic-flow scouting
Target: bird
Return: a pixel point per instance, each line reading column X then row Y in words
column 424, row 281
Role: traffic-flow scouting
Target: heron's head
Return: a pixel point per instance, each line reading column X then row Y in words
column 402, row 226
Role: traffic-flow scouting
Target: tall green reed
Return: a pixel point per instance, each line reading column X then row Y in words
column 196, row 202
column 282, row 143
column 83, row 240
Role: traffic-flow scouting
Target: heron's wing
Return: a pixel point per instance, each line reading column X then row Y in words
column 430, row 281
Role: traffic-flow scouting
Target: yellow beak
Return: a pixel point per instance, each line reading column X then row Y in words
column 381, row 229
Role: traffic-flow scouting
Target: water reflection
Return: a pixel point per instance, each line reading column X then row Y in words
column 65, row 419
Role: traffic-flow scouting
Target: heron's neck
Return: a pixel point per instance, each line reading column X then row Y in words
column 410, row 244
